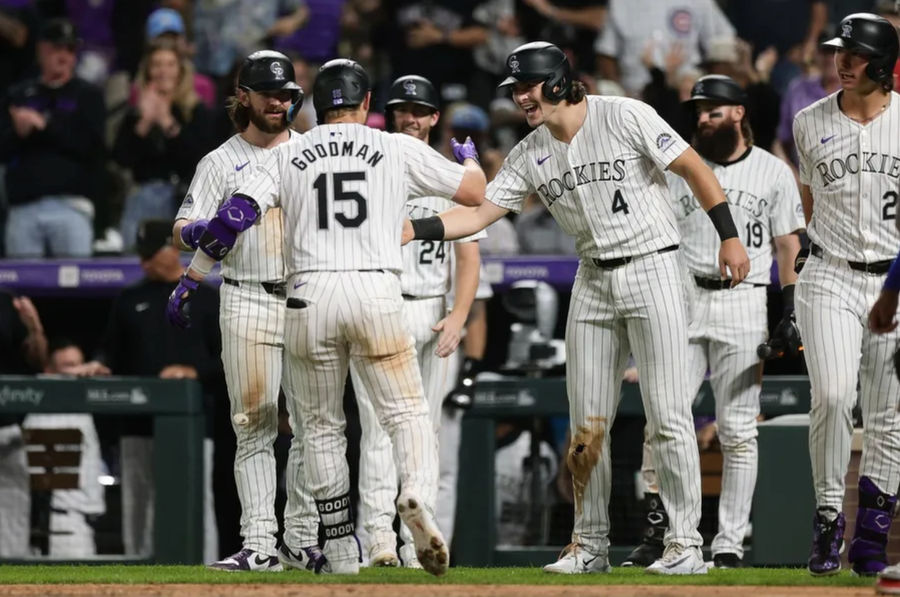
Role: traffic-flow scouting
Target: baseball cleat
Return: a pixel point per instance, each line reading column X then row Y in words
column 308, row 558
column 383, row 557
column 574, row 559
column 247, row 560
column 644, row 554
column 408, row 556
column 828, row 544
column 888, row 582
column 727, row 560
column 678, row 559
column 431, row 549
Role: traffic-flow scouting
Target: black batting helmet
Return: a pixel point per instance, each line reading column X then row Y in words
column 340, row 83
column 267, row 70
column 540, row 61
column 718, row 89
column 415, row 90
column 873, row 35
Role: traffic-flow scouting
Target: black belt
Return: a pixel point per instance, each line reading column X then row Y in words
column 717, row 284
column 274, row 288
column 620, row 261
column 412, row 297
column 875, row 267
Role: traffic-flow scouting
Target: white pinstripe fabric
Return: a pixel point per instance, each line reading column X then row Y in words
column 853, row 172
column 636, row 308
column 357, row 317
column 252, row 324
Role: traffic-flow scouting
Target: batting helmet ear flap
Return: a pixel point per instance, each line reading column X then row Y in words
column 561, row 79
column 295, row 106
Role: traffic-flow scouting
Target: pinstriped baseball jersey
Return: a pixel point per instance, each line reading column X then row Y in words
column 256, row 256
column 607, row 188
column 631, row 24
column 764, row 201
column 426, row 263
column 853, row 171
column 342, row 197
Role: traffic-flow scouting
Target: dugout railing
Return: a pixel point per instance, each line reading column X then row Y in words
column 176, row 407
column 783, row 501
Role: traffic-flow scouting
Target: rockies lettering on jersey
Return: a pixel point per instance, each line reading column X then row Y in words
column 342, row 197
column 853, row 172
column 764, row 202
column 607, row 188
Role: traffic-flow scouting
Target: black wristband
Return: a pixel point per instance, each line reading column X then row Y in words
column 428, row 228
column 787, row 294
column 722, row 220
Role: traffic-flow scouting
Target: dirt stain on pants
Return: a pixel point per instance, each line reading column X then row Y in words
column 584, row 452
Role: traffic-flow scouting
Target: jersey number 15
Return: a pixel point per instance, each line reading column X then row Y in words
column 338, row 193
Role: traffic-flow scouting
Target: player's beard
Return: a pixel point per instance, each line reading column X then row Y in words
column 261, row 121
column 717, row 145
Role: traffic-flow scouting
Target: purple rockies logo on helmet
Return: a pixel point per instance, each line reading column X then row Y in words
column 409, row 87
column 513, row 64
column 277, row 70
column 698, row 88
column 336, row 97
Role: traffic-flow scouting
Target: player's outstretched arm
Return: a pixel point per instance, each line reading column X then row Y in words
column 786, row 248
column 454, row 223
column 468, row 267
column 471, row 188
column 733, row 257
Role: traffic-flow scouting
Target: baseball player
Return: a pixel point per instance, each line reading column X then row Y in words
column 849, row 166
column 765, row 204
column 412, row 108
column 252, row 318
column 343, row 189
column 598, row 165
column 882, row 320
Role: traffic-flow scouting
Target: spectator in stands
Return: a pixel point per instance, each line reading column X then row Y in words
column 225, row 32
column 504, row 35
column 794, row 33
column 166, row 23
column 23, row 350
column 163, row 137
column 632, row 24
column 93, row 19
column 317, row 41
column 138, row 342
column 821, row 80
column 305, row 76
column 670, row 86
column 572, row 25
column 51, row 138
column 18, row 26
column 734, row 57
column 73, row 511
column 435, row 39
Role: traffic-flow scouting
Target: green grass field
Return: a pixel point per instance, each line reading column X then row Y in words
column 64, row 574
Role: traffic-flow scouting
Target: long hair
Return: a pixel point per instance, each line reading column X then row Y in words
column 576, row 93
column 184, row 96
column 238, row 113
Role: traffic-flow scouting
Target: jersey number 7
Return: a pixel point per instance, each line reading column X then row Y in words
column 340, row 194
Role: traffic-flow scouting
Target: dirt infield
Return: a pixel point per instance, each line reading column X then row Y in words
column 385, row 590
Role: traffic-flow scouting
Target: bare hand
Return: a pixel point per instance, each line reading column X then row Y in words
column 89, row 369
column 881, row 317
column 26, row 120
column 675, row 57
column 733, row 260
column 631, row 375
column 407, row 234
column 424, row 34
column 451, row 333
column 765, row 62
column 28, row 314
column 178, row 372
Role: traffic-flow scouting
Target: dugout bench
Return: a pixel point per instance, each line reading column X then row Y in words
column 176, row 407
column 783, row 502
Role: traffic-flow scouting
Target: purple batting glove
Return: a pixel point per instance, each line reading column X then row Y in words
column 462, row 151
column 191, row 233
column 177, row 309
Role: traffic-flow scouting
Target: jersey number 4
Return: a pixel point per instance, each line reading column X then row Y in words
column 618, row 203
column 338, row 193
